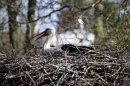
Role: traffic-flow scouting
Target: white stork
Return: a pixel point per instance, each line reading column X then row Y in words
column 70, row 48
column 77, row 36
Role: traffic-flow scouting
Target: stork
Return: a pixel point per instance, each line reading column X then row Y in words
column 77, row 36
column 70, row 48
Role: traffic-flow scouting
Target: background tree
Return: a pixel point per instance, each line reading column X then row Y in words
column 12, row 13
column 30, row 24
column 108, row 20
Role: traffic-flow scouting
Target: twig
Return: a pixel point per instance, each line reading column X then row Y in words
column 116, row 72
column 94, row 73
column 49, row 77
column 26, row 72
column 59, row 80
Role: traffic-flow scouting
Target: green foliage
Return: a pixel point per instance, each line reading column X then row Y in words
column 115, row 24
column 1, row 27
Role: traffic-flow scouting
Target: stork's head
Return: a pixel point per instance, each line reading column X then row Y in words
column 47, row 32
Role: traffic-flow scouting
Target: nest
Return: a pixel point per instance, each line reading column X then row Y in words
column 97, row 69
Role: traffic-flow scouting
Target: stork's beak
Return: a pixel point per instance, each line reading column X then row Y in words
column 40, row 35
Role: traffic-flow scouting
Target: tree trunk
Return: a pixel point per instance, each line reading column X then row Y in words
column 12, row 13
column 30, row 25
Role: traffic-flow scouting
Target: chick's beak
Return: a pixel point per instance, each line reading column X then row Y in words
column 40, row 35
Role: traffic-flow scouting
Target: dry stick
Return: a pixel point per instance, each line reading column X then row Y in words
column 114, row 83
column 49, row 77
column 28, row 64
column 11, row 76
column 41, row 75
column 94, row 73
column 88, row 82
column 59, row 80
column 88, row 69
column 116, row 72
column 30, row 77
column 103, row 63
column 65, row 75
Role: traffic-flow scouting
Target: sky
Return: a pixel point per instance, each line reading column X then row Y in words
column 51, row 21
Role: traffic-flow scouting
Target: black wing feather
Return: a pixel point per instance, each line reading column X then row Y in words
column 76, row 49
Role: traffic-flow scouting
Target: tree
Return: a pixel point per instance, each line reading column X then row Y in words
column 12, row 13
column 30, row 24
column 108, row 20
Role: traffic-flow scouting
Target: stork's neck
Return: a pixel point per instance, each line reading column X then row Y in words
column 47, row 42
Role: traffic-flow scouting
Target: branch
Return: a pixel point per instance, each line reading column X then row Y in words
column 86, row 8
column 65, row 6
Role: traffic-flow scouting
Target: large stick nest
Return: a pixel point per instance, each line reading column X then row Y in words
column 97, row 69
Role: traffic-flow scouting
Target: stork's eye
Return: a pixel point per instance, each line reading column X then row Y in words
column 48, row 31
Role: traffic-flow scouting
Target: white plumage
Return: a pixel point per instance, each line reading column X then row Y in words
column 46, row 48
